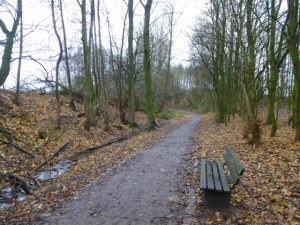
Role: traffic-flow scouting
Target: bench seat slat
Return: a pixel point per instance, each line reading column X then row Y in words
column 218, row 185
column 223, row 177
column 238, row 166
column 233, row 174
column 203, row 175
column 210, row 178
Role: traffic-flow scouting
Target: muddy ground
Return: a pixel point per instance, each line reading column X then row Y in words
column 144, row 189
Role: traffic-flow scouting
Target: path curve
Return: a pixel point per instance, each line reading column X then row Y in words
column 139, row 191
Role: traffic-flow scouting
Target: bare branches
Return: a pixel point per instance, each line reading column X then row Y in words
column 3, row 28
column 51, row 157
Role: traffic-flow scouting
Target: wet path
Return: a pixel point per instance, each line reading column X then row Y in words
column 138, row 191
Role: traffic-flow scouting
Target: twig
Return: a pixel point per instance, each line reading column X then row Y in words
column 105, row 144
column 34, row 178
column 17, row 139
column 23, row 181
column 18, row 147
column 55, row 153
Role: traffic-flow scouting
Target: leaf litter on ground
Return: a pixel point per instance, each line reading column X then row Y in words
column 33, row 122
column 269, row 190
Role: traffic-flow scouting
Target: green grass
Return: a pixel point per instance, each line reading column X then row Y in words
column 133, row 126
column 192, row 107
column 168, row 114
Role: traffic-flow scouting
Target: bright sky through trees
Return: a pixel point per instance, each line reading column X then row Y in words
column 40, row 42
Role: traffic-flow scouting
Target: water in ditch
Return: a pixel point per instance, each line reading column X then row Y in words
column 7, row 195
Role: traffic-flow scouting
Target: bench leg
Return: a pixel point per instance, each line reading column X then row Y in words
column 217, row 199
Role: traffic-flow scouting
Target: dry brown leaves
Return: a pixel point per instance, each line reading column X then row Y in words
column 37, row 113
column 269, row 190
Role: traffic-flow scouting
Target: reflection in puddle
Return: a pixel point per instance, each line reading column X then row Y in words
column 54, row 171
column 8, row 195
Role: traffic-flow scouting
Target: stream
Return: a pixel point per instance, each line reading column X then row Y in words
column 63, row 166
column 6, row 194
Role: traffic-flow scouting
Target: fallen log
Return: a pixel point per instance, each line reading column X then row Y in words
column 55, row 153
column 18, row 147
column 106, row 143
column 17, row 139
column 23, row 181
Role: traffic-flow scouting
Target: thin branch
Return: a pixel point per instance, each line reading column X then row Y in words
column 55, row 153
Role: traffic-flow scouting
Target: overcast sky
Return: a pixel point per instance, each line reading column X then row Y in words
column 42, row 44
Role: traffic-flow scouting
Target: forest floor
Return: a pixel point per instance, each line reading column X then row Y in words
column 269, row 190
column 36, row 116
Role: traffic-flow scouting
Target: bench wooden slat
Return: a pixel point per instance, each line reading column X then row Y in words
column 238, row 166
column 233, row 174
column 216, row 176
column 223, row 177
column 203, row 175
column 210, row 178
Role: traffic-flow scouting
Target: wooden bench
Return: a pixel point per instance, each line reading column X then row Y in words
column 213, row 180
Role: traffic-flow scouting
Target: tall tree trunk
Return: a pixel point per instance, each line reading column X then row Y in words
column 102, row 72
column 94, row 67
column 58, row 123
column 171, row 21
column 10, row 35
column 131, row 102
column 230, row 80
column 293, row 45
column 89, row 95
column 119, row 78
column 16, row 100
column 147, row 67
column 275, row 62
column 71, row 98
column 99, row 88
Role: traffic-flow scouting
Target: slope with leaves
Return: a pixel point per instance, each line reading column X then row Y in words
column 269, row 191
column 37, row 114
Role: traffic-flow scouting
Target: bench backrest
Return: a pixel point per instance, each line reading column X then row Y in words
column 235, row 167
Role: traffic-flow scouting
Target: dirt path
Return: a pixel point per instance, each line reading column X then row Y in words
column 141, row 190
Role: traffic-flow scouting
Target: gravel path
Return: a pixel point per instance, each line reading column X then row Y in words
column 139, row 191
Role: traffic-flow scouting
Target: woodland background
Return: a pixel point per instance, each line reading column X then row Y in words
column 244, row 65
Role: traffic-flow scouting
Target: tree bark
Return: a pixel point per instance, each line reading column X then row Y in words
column 10, row 35
column 16, row 100
column 147, row 66
column 293, row 44
column 89, row 95
column 71, row 100
column 131, row 102
column 102, row 73
column 119, row 78
column 58, row 121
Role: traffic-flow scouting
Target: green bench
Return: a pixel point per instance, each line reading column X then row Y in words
column 213, row 180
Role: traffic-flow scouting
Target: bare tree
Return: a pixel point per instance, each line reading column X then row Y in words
column 71, row 100
column 102, row 70
column 147, row 66
column 16, row 100
column 131, row 103
column 89, row 95
column 8, row 44
column 58, row 123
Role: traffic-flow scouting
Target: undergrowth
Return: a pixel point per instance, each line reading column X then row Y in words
column 168, row 114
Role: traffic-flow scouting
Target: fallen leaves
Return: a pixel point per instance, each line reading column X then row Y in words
column 269, row 188
column 37, row 113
